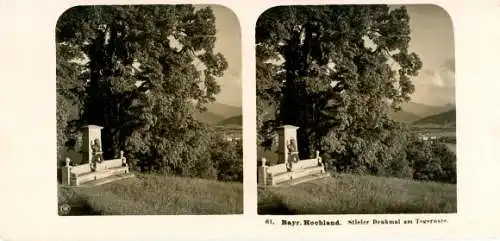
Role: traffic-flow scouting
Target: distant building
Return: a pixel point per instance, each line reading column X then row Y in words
column 427, row 137
column 232, row 137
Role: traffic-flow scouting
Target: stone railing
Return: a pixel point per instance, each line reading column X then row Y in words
column 267, row 175
column 72, row 175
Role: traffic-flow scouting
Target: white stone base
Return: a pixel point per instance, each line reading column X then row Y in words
column 100, row 174
column 296, row 174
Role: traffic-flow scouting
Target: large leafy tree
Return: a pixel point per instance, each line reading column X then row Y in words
column 67, row 95
column 335, row 71
column 142, row 73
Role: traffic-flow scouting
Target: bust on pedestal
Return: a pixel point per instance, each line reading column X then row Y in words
column 92, row 152
column 287, row 149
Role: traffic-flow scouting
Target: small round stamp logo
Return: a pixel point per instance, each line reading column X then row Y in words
column 65, row 209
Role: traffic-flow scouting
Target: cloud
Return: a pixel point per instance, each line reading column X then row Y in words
column 436, row 86
column 230, row 82
column 431, row 78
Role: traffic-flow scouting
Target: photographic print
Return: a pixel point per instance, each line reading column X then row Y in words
column 355, row 110
column 348, row 111
column 149, row 117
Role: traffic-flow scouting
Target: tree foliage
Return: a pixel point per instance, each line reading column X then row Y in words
column 336, row 72
column 228, row 158
column 67, row 95
column 140, row 72
column 432, row 161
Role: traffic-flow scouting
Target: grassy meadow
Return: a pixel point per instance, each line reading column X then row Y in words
column 351, row 194
column 155, row 195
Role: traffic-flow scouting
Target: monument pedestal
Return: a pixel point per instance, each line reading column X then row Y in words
column 286, row 133
column 97, row 170
column 290, row 170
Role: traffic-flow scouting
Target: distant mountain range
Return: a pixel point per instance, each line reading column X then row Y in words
column 404, row 116
column 417, row 113
column 221, row 114
column 235, row 121
column 425, row 110
column 444, row 118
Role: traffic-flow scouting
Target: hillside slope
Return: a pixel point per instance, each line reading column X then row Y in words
column 412, row 111
column 217, row 112
column 423, row 109
column 448, row 117
column 155, row 195
column 208, row 117
column 234, row 120
column 351, row 194
column 224, row 110
column 403, row 116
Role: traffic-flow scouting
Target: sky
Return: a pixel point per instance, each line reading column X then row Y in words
column 432, row 39
column 228, row 43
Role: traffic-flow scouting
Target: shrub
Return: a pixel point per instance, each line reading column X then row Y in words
column 227, row 158
column 394, row 152
column 432, row 161
column 379, row 152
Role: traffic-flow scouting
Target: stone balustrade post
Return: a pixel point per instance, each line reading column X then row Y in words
column 124, row 159
column 66, row 172
column 320, row 161
column 262, row 172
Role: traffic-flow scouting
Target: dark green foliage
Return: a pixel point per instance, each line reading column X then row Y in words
column 380, row 153
column 68, row 92
column 228, row 159
column 332, row 83
column 143, row 73
column 338, row 72
column 432, row 160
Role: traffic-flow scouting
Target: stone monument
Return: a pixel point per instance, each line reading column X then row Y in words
column 287, row 147
column 91, row 135
column 290, row 170
column 96, row 170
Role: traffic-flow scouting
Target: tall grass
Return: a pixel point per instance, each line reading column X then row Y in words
column 156, row 195
column 350, row 194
